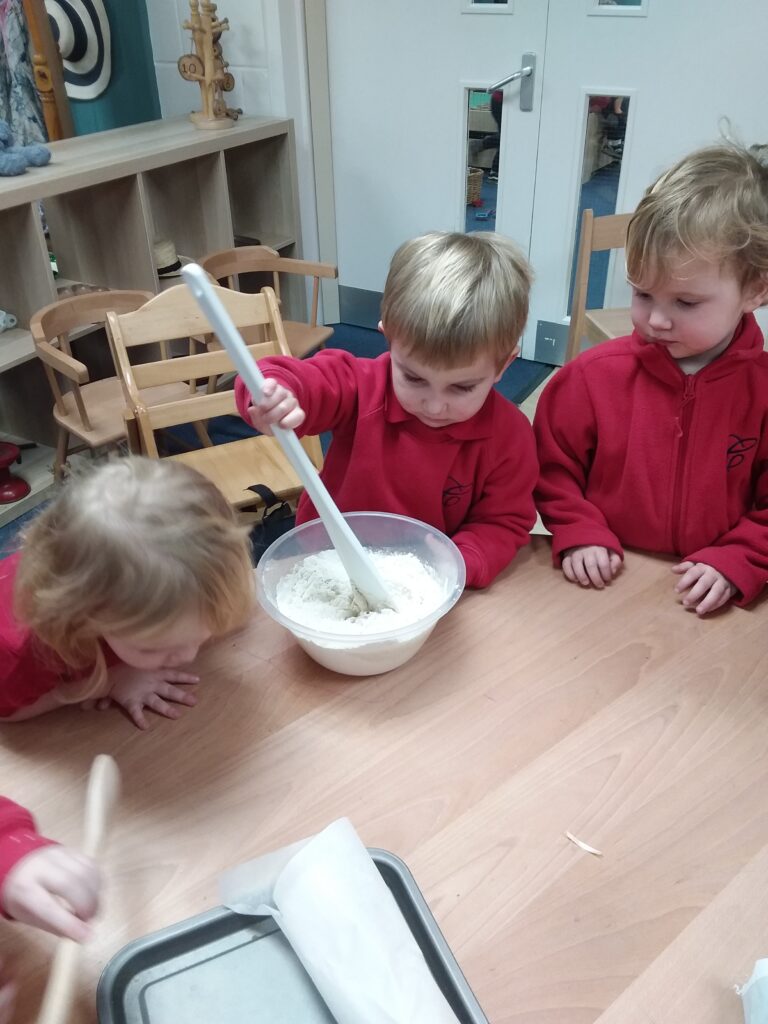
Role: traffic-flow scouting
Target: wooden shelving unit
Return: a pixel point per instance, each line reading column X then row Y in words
column 106, row 197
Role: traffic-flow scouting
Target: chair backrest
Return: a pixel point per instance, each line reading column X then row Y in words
column 597, row 235
column 226, row 264
column 172, row 315
column 51, row 327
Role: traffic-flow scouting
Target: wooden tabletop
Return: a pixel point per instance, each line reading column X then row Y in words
column 535, row 708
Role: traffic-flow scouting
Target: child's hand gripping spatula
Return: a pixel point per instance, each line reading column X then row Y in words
column 102, row 794
column 354, row 558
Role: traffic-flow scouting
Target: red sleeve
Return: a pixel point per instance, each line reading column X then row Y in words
column 18, row 837
column 500, row 519
column 27, row 671
column 566, row 436
column 325, row 386
column 741, row 554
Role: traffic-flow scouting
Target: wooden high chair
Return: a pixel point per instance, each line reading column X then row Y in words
column 226, row 264
column 235, row 465
column 596, row 325
column 91, row 411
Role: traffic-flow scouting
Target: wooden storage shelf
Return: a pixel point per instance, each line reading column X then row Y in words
column 106, row 198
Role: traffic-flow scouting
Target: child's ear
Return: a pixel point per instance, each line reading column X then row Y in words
column 381, row 327
column 505, row 367
column 757, row 295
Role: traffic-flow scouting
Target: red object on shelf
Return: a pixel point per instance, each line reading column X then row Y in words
column 12, row 488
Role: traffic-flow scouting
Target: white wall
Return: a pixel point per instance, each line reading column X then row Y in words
column 266, row 51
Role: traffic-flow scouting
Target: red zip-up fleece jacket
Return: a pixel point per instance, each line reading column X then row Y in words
column 28, row 668
column 633, row 451
column 18, row 837
column 472, row 480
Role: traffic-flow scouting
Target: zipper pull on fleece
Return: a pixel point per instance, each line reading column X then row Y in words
column 688, row 394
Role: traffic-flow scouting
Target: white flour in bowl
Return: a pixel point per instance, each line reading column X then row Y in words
column 317, row 593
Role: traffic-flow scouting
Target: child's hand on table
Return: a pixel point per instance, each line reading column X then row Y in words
column 707, row 588
column 53, row 888
column 591, row 565
column 278, row 407
column 136, row 689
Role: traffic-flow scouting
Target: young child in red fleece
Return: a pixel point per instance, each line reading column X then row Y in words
column 119, row 581
column 659, row 440
column 42, row 884
column 420, row 431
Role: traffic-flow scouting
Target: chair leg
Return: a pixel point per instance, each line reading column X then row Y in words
column 62, row 449
column 202, row 433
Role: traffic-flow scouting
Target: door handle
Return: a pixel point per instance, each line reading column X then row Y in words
column 526, row 76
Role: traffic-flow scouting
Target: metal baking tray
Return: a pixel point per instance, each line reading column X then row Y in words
column 223, row 968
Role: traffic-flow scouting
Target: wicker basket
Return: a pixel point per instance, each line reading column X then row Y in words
column 474, row 183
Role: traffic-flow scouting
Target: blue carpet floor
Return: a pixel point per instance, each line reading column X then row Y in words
column 483, row 218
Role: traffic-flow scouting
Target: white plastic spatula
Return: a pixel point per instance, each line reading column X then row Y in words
column 100, row 799
column 354, row 558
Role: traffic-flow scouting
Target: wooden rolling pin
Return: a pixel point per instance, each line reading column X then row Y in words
column 100, row 799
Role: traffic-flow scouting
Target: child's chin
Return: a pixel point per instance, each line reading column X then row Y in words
column 436, row 424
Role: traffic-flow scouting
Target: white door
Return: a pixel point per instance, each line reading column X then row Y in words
column 399, row 75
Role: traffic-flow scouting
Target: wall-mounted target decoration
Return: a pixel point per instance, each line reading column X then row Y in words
column 81, row 30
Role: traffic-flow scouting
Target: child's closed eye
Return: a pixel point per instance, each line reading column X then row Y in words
column 465, row 387
column 413, row 380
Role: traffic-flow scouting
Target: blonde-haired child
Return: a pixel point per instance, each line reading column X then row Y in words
column 658, row 440
column 119, row 581
column 419, row 430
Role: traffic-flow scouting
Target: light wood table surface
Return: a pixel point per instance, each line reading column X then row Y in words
column 534, row 708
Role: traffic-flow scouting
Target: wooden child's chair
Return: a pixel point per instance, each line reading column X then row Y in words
column 235, row 465
column 226, row 264
column 91, row 411
column 596, row 325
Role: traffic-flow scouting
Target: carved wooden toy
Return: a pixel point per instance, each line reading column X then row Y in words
column 207, row 66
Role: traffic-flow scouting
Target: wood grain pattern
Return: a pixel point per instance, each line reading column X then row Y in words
column 534, row 708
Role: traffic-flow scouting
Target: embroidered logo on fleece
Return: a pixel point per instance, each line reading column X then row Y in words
column 738, row 448
column 454, row 492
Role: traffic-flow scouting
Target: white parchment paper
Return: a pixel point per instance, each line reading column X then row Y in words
column 333, row 906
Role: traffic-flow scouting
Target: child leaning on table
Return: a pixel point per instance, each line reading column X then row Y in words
column 119, row 581
column 420, row 431
column 42, row 884
column 658, row 440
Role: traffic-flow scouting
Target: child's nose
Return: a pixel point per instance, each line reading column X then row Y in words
column 184, row 655
column 433, row 404
column 659, row 319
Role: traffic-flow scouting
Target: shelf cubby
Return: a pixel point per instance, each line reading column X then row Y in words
column 100, row 235
column 26, row 278
column 262, row 206
column 188, row 204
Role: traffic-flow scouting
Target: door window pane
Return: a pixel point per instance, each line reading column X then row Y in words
column 600, row 171
column 483, row 144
